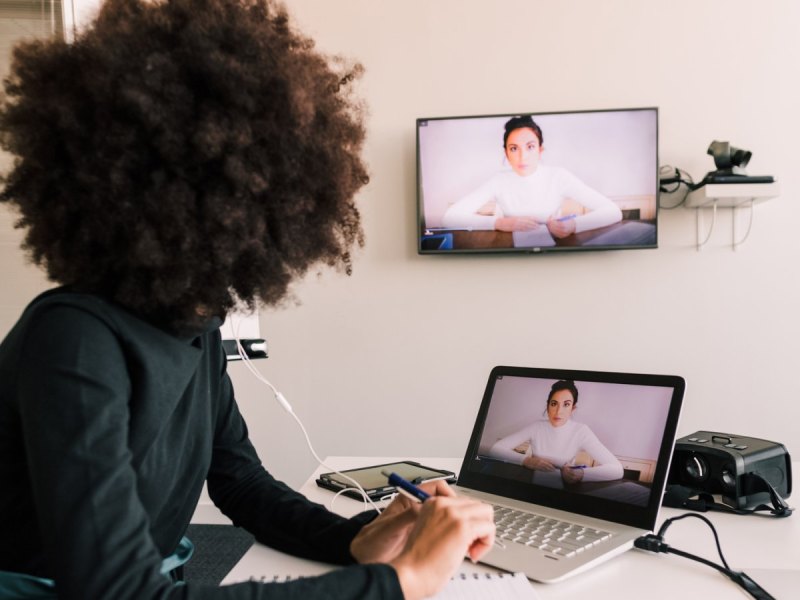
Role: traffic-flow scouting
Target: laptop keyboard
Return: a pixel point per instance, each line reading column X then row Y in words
column 559, row 538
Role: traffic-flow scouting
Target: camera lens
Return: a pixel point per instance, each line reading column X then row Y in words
column 728, row 478
column 740, row 157
column 696, row 468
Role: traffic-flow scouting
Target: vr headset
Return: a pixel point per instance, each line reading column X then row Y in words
column 746, row 474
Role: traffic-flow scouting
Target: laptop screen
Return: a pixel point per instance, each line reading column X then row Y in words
column 589, row 442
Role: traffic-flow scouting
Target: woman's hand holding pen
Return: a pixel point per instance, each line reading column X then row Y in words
column 516, row 224
column 383, row 539
column 572, row 473
column 448, row 528
column 561, row 227
column 426, row 542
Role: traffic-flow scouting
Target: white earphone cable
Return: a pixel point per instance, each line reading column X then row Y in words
column 288, row 408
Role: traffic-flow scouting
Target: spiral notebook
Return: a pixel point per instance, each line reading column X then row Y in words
column 488, row 586
column 465, row 586
column 267, row 565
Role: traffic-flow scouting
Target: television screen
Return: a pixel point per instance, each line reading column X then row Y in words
column 538, row 182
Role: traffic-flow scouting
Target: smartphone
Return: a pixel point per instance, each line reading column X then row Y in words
column 374, row 481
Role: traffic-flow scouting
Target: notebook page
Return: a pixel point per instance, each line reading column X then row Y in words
column 465, row 586
column 488, row 586
column 536, row 238
column 266, row 565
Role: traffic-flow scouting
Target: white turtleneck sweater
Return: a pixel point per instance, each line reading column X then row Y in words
column 559, row 445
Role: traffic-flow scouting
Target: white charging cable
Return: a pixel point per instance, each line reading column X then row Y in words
column 288, row 408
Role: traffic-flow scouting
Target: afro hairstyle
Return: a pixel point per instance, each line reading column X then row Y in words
column 183, row 156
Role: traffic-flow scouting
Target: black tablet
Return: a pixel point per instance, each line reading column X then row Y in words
column 374, row 481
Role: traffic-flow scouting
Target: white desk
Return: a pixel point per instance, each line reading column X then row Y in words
column 750, row 543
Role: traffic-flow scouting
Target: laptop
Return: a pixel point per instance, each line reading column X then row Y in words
column 574, row 481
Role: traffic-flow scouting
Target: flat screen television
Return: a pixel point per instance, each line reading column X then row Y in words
column 538, row 182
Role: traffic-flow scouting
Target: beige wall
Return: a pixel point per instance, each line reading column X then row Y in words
column 20, row 281
column 392, row 361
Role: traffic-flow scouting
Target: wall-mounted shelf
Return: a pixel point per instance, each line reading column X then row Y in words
column 728, row 195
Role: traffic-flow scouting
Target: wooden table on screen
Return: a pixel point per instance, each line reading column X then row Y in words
column 492, row 239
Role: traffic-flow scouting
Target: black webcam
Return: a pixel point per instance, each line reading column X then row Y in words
column 730, row 163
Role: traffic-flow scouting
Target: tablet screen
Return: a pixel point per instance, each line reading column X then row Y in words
column 371, row 478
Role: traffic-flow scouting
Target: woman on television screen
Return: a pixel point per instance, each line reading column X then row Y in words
column 559, row 443
column 531, row 195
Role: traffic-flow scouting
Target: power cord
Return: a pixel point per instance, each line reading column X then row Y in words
column 679, row 496
column 672, row 180
column 654, row 542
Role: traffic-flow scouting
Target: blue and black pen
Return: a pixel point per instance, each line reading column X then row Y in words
column 409, row 489
column 406, row 487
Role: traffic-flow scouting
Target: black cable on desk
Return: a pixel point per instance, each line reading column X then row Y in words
column 654, row 542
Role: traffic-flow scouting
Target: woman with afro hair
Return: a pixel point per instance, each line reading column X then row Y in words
column 179, row 157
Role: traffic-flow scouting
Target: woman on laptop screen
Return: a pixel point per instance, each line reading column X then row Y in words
column 559, row 443
column 531, row 195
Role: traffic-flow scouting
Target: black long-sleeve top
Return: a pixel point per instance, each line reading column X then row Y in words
column 109, row 426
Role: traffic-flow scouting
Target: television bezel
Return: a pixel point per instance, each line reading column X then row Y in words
column 420, row 221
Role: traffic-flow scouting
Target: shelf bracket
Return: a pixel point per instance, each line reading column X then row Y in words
column 698, row 225
column 728, row 195
column 734, row 242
